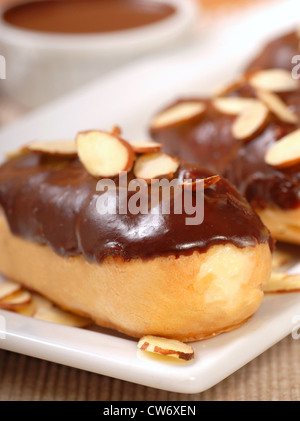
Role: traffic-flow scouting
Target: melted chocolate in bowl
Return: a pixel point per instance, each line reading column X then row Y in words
column 87, row 16
column 52, row 201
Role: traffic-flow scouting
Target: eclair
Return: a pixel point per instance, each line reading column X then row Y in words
column 73, row 229
column 249, row 133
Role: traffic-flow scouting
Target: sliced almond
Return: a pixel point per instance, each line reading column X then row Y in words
column 104, row 154
column 277, row 106
column 60, row 147
column 229, row 87
column 155, row 165
column 274, row 80
column 201, row 184
column 30, row 304
column 16, row 300
column 56, row 315
column 280, row 282
column 250, row 122
column 179, row 113
column 146, row 147
column 285, row 152
column 45, row 310
column 17, row 153
column 233, row 105
column 28, row 309
column 8, row 288
column 166, row 347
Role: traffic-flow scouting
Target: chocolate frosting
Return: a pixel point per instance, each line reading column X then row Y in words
column 52, row 200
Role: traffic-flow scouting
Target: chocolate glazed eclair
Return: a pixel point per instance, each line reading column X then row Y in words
column 143, row 273
column 249, row 133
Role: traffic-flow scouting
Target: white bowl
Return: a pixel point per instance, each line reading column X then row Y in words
column 43, row 66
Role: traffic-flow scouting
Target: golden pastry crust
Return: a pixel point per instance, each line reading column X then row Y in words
column 188, row 298
column 283, row 224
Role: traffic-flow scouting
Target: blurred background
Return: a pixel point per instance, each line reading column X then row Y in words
column 33, row 78
column 208, row 4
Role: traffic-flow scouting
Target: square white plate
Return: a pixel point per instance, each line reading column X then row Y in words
column 129, row 98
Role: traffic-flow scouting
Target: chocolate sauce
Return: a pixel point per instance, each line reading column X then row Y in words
column 87, row 16
column 52, row 200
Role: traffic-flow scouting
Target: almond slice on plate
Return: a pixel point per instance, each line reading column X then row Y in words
column 46, row 311
column 56, row 315
column 279, row 282
column 155, row 165
column 285, row 152
column 28, row 309
column 146, row 146
column 274, row 80
column 201, row 184
column 8, row 288
column 59, row 147
column 166, row 347
column 179, row 113
column 233, row 105
column 104, row 154
column 15, row 300
column 277, row 106
column 250, row 122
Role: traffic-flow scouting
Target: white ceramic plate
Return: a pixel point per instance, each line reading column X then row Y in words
column 129, row 98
